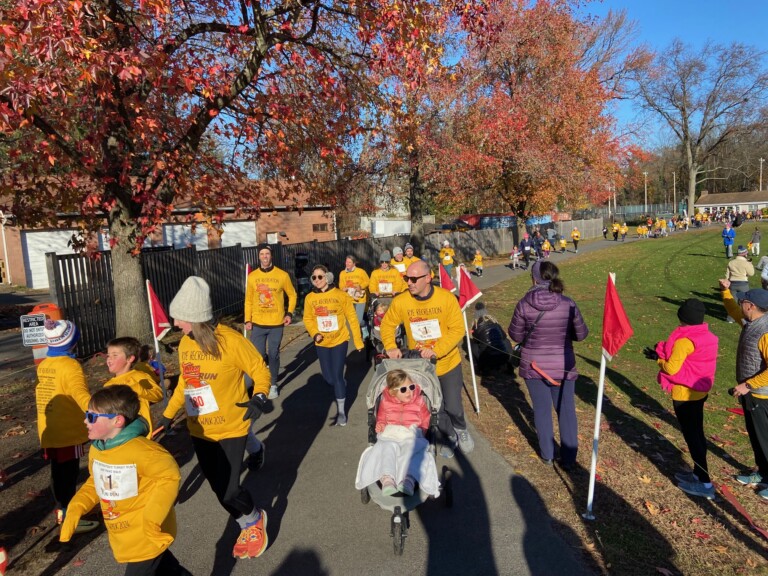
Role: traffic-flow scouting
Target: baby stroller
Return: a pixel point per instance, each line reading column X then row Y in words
column 422, row 373
column 374, row 346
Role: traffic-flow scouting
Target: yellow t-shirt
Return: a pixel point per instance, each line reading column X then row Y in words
column 355, row 283
column 434, row 323
column 328, row 313
column 446, row 256
column 265, row 297
column 478, row 260
column 62, row 398
column 386, row 282
column 147, row 390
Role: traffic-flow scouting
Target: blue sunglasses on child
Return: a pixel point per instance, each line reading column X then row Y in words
column 91, row 417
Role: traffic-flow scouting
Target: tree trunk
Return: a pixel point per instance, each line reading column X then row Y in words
column 131, row 308
column 416, row 204
column 693, row 171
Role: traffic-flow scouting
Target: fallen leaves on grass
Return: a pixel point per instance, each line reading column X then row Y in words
column 651, row 507
column 721, row 441
column 644, row 479
column 702, row 535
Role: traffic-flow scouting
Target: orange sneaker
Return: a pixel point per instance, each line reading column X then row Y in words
column 253, row 540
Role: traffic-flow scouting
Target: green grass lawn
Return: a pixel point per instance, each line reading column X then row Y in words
column 647, row 521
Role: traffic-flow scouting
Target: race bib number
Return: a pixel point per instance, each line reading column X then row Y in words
column 526, row 248
column 115, row 481
column 447, row 258
column 400, row 267
column 200, row 401
column 385, row 287
column 425, row 330
column 328, row 323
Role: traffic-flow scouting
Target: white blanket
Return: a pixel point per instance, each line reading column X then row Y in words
column 399, row 452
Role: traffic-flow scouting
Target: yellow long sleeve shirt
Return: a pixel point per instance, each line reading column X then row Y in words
column 355, row 283
column 386, row 282
column 209, row 388
column 478, row 260
column 62, row 398
column 576, row 235
column 734, row 311
column 265, row 294
column 447, row 256
column 434, row 322
column 400, row 265
column 136, row 484
column 146, row 389
column 682, row 348
column 328, row 313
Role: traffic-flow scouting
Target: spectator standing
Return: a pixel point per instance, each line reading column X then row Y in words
column 265, row 311
column 729, row 235
column 739, row 271
column 687, row 363
column 756, row 242
column 548, row 323
column 749, row 309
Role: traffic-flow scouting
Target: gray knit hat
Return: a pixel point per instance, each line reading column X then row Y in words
column 397, row 251
column 192, row 302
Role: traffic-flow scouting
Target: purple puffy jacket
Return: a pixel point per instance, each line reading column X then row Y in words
column 550, row 344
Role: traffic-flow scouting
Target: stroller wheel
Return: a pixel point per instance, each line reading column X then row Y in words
column 365, row 496
column 448, row 487
column 399, row 531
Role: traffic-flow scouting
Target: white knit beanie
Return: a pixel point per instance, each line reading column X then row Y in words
column 192, row 302
column 61, row 334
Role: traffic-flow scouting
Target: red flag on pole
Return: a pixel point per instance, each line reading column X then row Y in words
column 160, row 323
column 616, row 327
column 445, row 280
column 468, row 292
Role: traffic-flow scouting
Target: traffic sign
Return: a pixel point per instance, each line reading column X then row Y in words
column 32, row 326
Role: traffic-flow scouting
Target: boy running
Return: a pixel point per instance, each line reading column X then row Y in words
column 136, row 482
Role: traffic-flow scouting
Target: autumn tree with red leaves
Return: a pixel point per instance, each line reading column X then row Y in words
column 524, row 123
column 120, row 108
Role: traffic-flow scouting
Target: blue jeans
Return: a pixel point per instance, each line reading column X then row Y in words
column 267, row 342
column 332, row 361
column 544, row 396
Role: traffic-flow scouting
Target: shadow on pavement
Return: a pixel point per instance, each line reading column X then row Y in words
column 452, row 532
column 301, row 561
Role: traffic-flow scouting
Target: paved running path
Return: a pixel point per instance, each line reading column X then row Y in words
column 317, row 523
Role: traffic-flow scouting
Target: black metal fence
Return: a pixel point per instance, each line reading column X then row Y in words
column 82, row 286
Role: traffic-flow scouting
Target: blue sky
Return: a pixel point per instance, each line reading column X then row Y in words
column 693, row 21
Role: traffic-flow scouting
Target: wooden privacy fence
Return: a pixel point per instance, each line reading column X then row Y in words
column 82, row 286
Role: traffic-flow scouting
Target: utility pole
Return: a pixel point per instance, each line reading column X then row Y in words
column 761, row 174
column 674, row 192
column 645, row 177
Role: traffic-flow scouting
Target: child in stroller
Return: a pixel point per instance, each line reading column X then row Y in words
column 400, row 457
column 378, row 308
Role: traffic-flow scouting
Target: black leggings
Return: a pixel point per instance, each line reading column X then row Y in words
column 690, row 414
column 164, row 565
column 221, row 463
column 64, row 481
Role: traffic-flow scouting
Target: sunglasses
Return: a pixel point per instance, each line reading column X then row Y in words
column 404, row 389
column 318, row 277
column 91, row 417
column 413, row 279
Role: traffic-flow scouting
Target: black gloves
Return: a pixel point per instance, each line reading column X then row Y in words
column 164, row 423
column 256, row 406
column 650, row 353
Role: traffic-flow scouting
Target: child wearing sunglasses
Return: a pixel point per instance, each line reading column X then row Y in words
column 136, row 482
column 62, row 397
column 400, row 458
